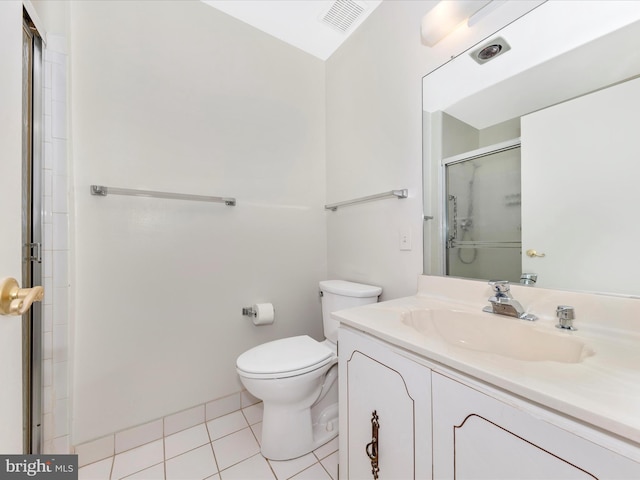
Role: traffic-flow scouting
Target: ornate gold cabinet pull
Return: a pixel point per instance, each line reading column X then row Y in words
column 372, row 448
column 15, row 300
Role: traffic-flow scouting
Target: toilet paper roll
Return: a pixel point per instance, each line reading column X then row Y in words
column 264, row 314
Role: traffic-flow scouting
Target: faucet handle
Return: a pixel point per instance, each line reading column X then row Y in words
column 500, row 286
column 528, row 278
column 565, row 314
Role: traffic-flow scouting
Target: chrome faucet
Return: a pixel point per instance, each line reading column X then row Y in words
column 502, row 303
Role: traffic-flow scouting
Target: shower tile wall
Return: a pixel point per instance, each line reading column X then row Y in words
column 55, row 358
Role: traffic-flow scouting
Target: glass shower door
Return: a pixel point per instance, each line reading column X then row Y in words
column 484, row 231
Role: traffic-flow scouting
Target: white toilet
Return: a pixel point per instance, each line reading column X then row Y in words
column 295, row 377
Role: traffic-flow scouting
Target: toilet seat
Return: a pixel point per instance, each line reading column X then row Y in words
column 283, row 358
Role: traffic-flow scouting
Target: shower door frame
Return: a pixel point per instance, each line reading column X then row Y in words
column 442, row 180
column 32, row 237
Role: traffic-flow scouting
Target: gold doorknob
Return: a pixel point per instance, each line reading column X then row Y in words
column 532, row 253
column 15, row 300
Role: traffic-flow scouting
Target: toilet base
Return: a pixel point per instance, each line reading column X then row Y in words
column 327, row 426
column 287, row 435
column 292, row 431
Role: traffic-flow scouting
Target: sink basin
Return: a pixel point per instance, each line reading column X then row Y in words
column 506, row 336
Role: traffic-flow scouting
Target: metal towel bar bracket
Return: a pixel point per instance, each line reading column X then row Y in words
column 103, row 191
column 403, row 193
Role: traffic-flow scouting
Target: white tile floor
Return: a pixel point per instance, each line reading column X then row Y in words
column 225, row 448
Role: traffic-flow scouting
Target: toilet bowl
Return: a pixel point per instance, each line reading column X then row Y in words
column 296, row 378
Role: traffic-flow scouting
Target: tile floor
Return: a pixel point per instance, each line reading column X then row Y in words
column 225, row 448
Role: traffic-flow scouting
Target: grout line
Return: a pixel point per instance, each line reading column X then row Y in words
column 305, row 469
column 259, row 440
column 325, row 457
column 325, row 468
column 238, row 463
column 231, row 433
column 245, row 415
column 138, row 446
column 187, row 451
column 165, row 436
column 163, row 418
column 164, row 449
column 210, row 442
column 215, row 458
column 270, row 466
column 138, row 471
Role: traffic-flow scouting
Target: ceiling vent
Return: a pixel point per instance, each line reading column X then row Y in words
column 342, row 14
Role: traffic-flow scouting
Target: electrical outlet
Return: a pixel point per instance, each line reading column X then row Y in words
column 405, row 239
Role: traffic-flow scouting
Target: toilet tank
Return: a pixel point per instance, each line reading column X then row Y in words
column 340, row 294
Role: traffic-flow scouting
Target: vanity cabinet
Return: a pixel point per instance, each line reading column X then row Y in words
column 435, row 423
column 381, row 389
column 476, row 436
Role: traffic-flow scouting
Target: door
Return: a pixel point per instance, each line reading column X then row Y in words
column 11, row 408
column 31, row 231
column 585, row 225
column 483, row 231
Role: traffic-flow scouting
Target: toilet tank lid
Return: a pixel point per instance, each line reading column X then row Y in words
column 349, row 289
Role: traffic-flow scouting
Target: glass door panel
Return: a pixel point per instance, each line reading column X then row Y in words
column 483, row 234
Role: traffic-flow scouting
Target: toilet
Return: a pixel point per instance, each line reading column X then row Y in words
column 296, row 378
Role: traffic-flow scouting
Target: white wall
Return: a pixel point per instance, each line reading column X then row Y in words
column 177, row 96
column 374, row 139
column 10, row 217
column 374, row 144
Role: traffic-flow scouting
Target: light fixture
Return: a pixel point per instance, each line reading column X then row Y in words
column 442, row 19
column 484, row 11
column 490, row 50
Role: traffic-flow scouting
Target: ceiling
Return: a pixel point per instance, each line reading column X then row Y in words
column 302, row 23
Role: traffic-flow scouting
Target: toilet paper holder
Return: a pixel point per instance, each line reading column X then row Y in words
column 249, row 312
column 260, row 313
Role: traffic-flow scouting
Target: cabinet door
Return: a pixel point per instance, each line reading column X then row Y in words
column 376, row 382
column 478, row 437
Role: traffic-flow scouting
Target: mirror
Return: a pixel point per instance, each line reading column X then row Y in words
column 569, row 98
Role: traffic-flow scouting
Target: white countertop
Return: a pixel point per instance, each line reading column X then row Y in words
column 602, row 389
